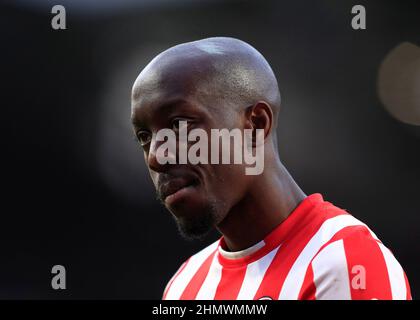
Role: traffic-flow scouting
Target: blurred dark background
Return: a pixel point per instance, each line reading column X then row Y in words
column 75, row 187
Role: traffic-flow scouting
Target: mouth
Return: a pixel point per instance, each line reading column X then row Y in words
column 177, row 188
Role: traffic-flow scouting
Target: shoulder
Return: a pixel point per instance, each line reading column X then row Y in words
column 188, row 268
column 354, row 264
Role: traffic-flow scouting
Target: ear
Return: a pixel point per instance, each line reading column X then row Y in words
column 259, row 116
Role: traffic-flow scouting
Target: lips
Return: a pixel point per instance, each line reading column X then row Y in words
column 174, row 185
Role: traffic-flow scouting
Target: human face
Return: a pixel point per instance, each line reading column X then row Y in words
column 198, row 196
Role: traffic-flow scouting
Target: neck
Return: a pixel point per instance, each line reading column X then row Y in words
column 272, row 197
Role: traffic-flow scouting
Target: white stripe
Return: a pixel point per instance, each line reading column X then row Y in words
column 254, row 274
column 331, row 275
column 296, row 275
column 180, row 283
column 209, row 286
column 395, row 274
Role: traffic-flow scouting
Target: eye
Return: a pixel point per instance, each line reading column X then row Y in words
column 176, row 123
column 144, row 137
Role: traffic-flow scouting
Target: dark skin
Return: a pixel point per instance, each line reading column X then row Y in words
column 215, row 83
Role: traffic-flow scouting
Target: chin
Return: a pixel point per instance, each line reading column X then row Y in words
column 192, row 231
column 195, row 222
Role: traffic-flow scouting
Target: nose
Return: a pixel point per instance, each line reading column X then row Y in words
column 161, row 154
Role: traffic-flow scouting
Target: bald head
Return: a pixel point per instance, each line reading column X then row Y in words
column 221, row 71
column 210, row 84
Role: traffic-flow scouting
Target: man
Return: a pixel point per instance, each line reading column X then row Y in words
column 277, row 243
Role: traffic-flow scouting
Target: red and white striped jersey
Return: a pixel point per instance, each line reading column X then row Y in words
column 319, row 252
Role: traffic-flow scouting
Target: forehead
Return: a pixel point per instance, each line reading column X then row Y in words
column 169, row 83
column 166, row 85
column 158, row 98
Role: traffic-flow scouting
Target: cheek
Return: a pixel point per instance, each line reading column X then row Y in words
column 230, row 179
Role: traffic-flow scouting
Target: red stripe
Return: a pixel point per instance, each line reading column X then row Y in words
column 307, row 292
column 362, row 249
column 230, row 283
column 340, row 235
column 346, row 232
column 173, row 278
column 190, row 292
column 292, row 247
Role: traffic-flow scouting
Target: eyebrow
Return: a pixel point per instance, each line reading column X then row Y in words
column 160, row 109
